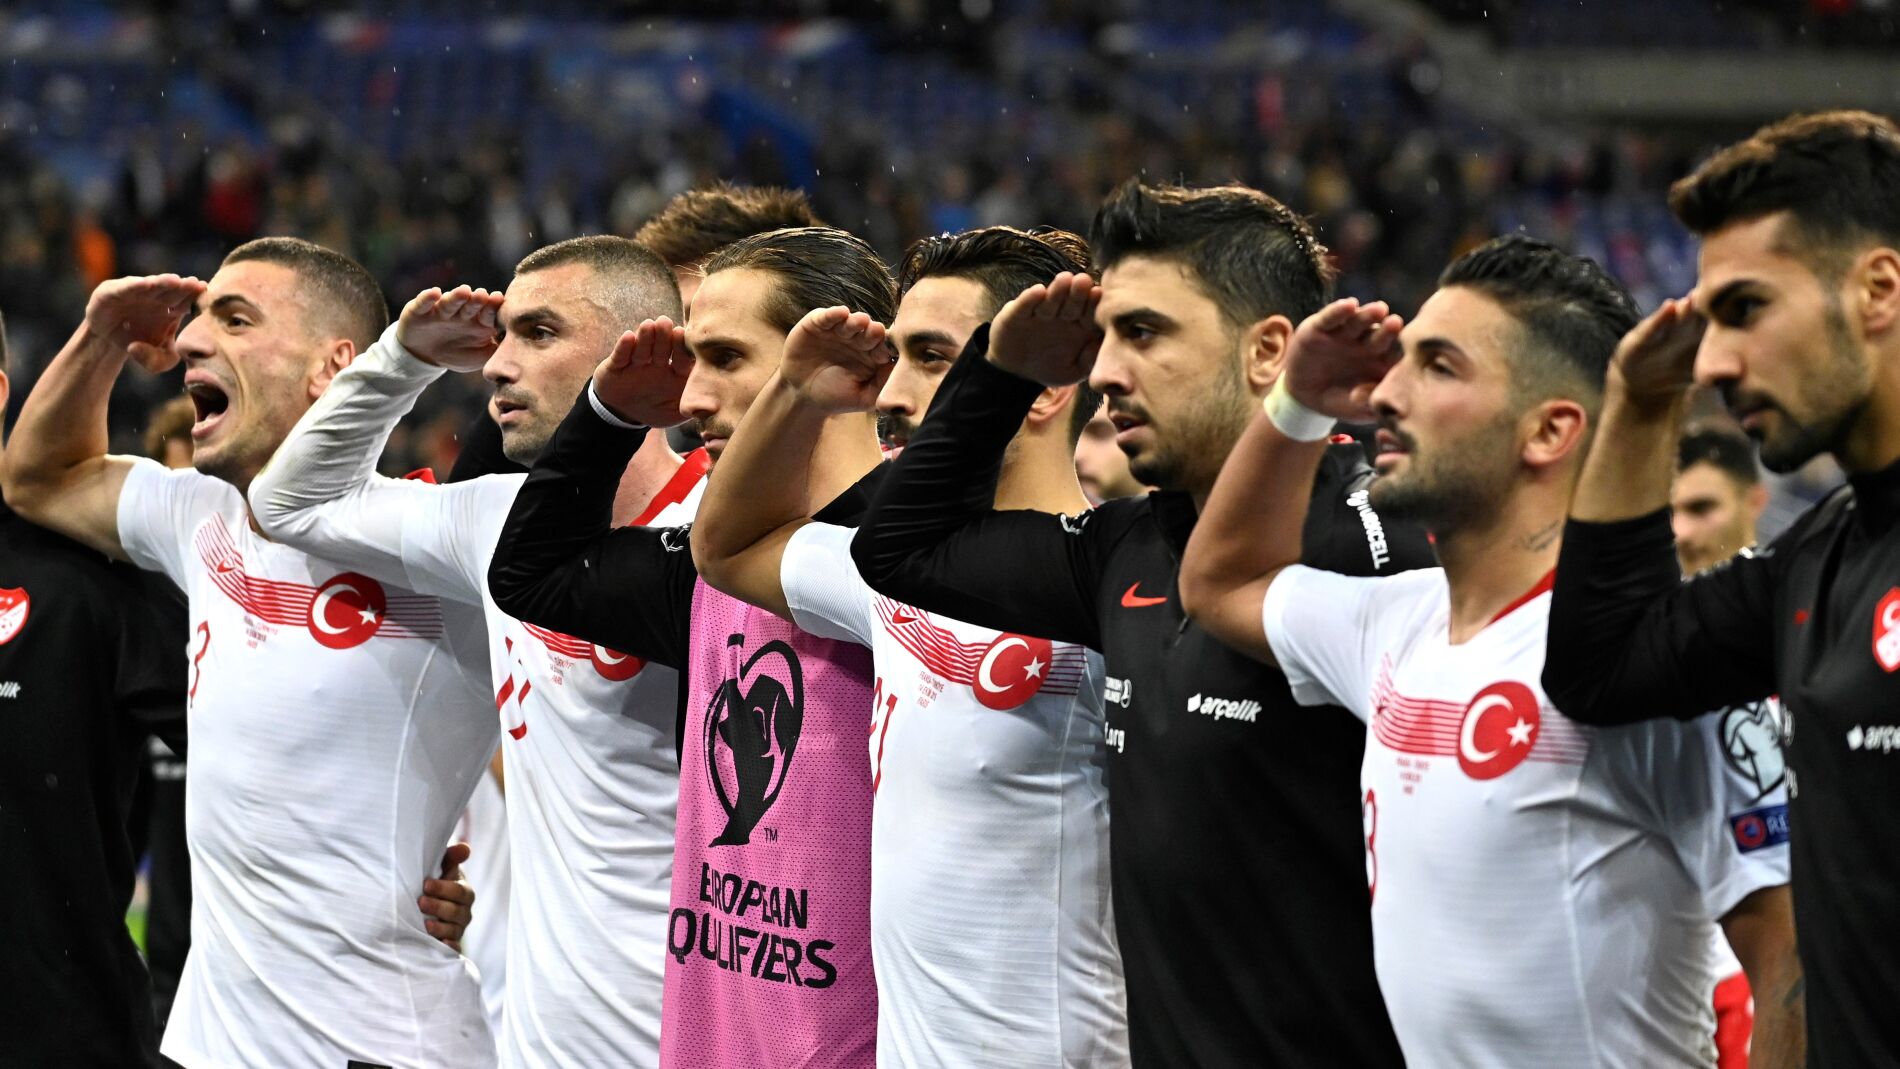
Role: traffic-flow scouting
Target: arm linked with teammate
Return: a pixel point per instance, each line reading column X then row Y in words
column 1628, row 639
column 931, row 537
column 57, row 472
column 1760, row 929
column 1252, row 526
column 560, row 563
column 835, row 361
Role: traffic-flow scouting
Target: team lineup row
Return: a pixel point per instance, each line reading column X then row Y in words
column 1132, row 771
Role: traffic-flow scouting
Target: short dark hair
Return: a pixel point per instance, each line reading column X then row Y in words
column 817, row 267
column 1571, row 309
column 337, row 285
column 1728, row 450
column 641, row 285
column 1252, row 254
column 1835, row 173
column 1005, row 261
column 699, row 222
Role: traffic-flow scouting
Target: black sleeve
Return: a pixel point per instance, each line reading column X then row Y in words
column 151, row 681
column 1345, row 534
column 931, row 539
column 561, row 563
column 481, row 452
column 1629, row 641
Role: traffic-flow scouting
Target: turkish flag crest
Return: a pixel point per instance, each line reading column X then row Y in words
column 14, row 605
column 1886, row 630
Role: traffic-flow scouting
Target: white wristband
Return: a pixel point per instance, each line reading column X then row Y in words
column 607, row 414
column 1294, row 419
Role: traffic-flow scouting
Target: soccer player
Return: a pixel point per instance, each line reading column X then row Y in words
column 332, row 742
column 1542, row 892
column 990, row 919
column 1796, row 320
column 1717, row 497
column 591, row 739
column 699, row 222
column 1101, row 465
column 768, row 953
column 1236, row 857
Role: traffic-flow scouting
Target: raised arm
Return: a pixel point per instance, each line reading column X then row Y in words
column 560, row 563
column 1252, row 525
column 57, row 472
column 835, row 361
column 931, row 538
column 320, row 491
column 1628, row 639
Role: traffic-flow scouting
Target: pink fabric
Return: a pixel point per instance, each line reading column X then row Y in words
column 769, row 943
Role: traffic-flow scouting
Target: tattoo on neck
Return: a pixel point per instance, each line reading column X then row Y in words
column 1542, row 538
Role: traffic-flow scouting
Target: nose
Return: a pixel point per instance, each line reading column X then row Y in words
column 1387, row 395
column 698, row 400
column 1679, row 525
column 900, row 394
column 1113, row 373
column 502, row 367
column 194, row 340
column 1718, row 359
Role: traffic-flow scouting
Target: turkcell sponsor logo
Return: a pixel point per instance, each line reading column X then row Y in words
column 1118, row 691
column 1761, row 828
column 1361, row 501
column 1246, row 710
column 1881, row 738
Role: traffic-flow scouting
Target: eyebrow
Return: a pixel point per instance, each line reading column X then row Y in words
column 917, row 339
column 1729, row 292
column 534, row 317
column 229, row 300
column 716, row 342
column 1437, row 344
column 1122, row 320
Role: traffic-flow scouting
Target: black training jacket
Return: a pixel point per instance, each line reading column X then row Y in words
column 1815, row 618
column 1237, row 856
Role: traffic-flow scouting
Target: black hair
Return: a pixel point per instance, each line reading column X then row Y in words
column 337, row 285
column 817, row 267
column 1729, row 451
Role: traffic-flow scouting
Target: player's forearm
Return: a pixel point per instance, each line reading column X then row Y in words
column 330, row 455
column 1760, row 929
column 762, row 483
column 1250, row 529
column 62, row 427
column 1631, row 462
column 1780, row 1038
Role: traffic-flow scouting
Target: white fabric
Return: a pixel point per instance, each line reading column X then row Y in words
column 334, row 738
column 589, row 741
column 1543, row 893
column 484, row 827
column 990, row 920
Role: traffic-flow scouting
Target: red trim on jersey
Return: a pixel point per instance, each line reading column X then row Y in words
column 422, row 475
column 1543, row 587
column 693, row 467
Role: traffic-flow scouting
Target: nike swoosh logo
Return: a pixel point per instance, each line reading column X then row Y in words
column 899, row 616
column 1132, row 600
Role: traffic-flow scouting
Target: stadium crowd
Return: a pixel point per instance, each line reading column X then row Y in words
column 891, row 723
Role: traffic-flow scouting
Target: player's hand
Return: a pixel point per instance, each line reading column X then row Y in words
column 837, row 359
column 141, row 315
column 641, row 381
column 455, row 330
column 1655, row 362
column 1047, row 333
column 448, row 902
column 1338, row 356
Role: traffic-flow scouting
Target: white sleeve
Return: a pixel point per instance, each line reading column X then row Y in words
column 827, row 595
column 320, row 491
column 1721, row 787
column 1320, row 627
column 160, row 509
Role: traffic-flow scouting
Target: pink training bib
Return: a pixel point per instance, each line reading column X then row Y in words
column 769, row 949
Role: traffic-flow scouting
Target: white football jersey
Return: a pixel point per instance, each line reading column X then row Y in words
column 484, row 827
column 335, row 736
column 590, row 735
column 990, row 919
column 1543, row 892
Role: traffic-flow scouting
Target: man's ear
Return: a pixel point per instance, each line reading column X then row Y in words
column 1263, row 352
column 1559, row 428
column 1878, row 281
column 336, row 356
column 1051, row 404
column 1756, row 500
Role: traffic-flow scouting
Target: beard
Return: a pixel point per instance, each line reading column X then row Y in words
column 894, row 426
column 1188, row 452
column 1827, row 398
column 1452, row 486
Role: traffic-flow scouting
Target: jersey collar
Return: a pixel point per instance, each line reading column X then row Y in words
column 1543, row 587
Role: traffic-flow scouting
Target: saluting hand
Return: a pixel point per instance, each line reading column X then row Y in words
column 454, row 330
column 641, row 381
column 1338, row 356
column 142, row 314
column 1655, row 362
column 1047, row 333
column 837, row 359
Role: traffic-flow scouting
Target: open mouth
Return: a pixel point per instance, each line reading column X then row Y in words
column 1388, row 444
column 209, row 403
column 505, row 409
